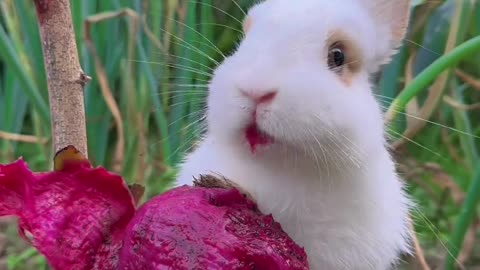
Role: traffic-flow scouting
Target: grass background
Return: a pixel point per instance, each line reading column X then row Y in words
column 155, row 58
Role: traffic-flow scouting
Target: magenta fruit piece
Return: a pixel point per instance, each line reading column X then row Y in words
column 82, row 218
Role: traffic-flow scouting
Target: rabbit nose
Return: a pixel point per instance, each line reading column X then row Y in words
column 260, row 97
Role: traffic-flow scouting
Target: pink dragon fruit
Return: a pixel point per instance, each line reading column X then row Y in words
column 82, row 218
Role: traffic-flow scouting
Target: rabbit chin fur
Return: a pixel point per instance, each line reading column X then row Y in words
column 327, row 177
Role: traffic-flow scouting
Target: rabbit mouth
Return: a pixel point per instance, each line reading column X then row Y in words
column 256, row 137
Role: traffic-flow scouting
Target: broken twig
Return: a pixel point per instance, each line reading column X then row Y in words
column 65, row 76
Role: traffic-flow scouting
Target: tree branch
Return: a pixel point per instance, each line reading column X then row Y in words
column 65, row 76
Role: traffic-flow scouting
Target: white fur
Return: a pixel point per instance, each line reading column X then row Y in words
column 328, row 178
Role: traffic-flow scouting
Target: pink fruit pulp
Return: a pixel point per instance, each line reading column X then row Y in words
column 257, row 137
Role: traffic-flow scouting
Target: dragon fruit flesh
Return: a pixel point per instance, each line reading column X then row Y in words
column 82, row 218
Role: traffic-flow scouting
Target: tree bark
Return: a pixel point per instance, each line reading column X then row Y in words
column 66, row 79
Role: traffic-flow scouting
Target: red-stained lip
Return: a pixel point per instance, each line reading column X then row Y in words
column 257, row 137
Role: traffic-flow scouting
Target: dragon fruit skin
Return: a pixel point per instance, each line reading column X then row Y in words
column 207, row 228
column 85, row 218
column 76, row 217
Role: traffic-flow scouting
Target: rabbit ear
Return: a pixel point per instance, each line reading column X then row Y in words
column 392, row 18
column 247, row 23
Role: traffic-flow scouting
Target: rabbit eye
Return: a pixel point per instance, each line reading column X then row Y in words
column 336, row 57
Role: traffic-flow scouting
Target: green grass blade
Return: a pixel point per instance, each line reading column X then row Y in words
column 466, row 217
column 158, row 109
column 429, row 74
column 186, row 77
column 11, row 59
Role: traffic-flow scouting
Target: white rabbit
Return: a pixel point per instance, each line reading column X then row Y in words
column 293, row 121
